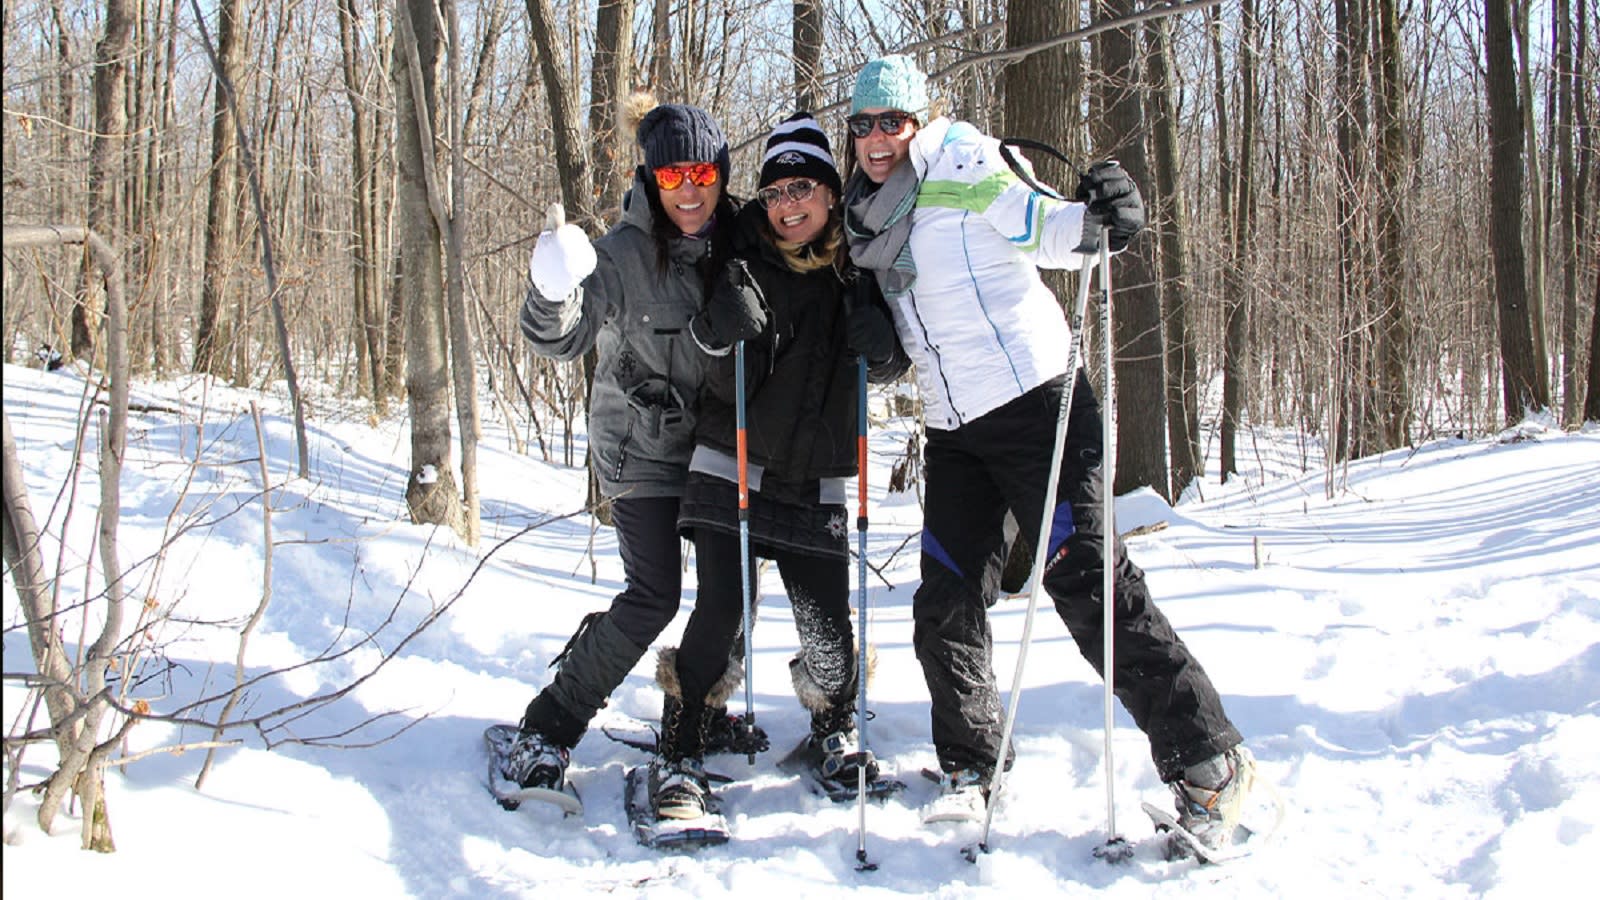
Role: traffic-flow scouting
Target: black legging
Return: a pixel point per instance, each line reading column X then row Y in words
column 819, row 593
column 652, row 563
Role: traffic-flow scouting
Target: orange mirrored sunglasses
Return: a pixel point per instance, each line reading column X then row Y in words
column 670, row 178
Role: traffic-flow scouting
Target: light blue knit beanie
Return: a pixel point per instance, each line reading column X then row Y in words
column 891, row 82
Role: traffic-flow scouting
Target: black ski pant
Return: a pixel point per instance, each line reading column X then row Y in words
column 819, row 593
column 608, row 645
column 1001, row 461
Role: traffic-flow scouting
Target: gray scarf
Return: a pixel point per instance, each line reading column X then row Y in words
column 878, row 224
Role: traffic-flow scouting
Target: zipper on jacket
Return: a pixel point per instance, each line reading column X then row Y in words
column 622, row 456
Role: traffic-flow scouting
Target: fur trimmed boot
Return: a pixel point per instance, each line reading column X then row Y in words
column 679, row 787
column 834, row 738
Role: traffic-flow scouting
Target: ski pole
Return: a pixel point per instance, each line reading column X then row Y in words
column 1041, row 554
column 1115, row 848
column 862, row 865
column 741, row 450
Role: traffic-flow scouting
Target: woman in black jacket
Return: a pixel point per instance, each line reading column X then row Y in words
column 790, row 298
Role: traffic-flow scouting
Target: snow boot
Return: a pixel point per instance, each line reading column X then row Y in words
column 1210, row 797
column 536, row 762
column 963, row 797
column 680, row 789
column 833, row 735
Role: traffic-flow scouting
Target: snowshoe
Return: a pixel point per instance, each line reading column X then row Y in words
column 523, row 767
column 651, row 829
column 830, row 769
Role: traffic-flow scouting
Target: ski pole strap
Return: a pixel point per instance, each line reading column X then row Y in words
column 1023, row 172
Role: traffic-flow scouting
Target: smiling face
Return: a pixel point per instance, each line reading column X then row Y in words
column 690, row 205
column 799, row 221
column 877, row 154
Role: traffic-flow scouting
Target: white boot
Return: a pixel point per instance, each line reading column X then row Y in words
column 1211, row 797
column 963, row 797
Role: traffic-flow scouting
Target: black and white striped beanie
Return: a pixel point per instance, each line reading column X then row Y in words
column 798, row 148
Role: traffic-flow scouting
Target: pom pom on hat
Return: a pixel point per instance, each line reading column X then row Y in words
column 891, row 82
column 798, row 148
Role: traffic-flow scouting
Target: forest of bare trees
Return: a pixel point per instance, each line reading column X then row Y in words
column 1373, row 220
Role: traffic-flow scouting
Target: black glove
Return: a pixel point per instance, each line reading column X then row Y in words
column 735, row 312
column 1114, row 202
column 869, row 333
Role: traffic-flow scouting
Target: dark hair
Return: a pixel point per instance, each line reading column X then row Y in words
column 663, row 230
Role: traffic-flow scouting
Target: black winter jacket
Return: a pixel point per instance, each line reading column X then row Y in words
column 800, row 378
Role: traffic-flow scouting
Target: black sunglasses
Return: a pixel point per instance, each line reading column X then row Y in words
column 889, row 123
column 798, row 190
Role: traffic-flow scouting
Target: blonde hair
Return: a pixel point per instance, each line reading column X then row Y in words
column 813, row 255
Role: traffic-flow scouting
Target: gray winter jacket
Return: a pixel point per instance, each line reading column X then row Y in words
column 649, row 370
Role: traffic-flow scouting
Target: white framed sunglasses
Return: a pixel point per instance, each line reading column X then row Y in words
column 797, row 191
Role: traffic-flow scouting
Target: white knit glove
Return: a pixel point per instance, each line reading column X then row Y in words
column 562, row 257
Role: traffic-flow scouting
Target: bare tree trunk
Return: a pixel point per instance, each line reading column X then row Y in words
column 1171, row 230
column 1141, row 451
column 483, row 69
column 106, row 174
column 1591, row 406
column 159, row 244
column 1236, row 299
column 214, row 334
column 1583, row 227
column 1567, row 94
column 1524, row 385
column 225, row 90
column 1534, row 249
column 366, row 273
column 1394, row 275
column 1350, row 430
column 431, row 493
column 660, row 66
column 461, row 356
column 609, row 81
column 808, row 54
column 66, row 95
column 572, row 164
column 1040, row 94
column 82, row 761
column 384, row 200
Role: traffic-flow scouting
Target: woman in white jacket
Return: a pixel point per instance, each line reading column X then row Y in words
column 954, row 237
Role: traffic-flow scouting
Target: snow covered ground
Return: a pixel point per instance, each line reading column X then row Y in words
column 1415, row 662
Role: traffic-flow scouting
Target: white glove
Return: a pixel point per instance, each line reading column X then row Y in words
column 562, row 257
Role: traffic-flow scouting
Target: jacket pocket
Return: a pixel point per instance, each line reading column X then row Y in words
column 660, row 430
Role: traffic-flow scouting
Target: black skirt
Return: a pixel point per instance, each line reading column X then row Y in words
column 780, row 516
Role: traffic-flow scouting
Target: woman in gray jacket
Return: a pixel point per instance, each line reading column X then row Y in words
column 630, row 296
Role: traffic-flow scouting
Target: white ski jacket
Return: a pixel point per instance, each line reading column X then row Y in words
column 978, row 322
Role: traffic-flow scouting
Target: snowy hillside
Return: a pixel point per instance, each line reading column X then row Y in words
column 1415, row 662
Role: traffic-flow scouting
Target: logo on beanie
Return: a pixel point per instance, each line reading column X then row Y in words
column 791, row 158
